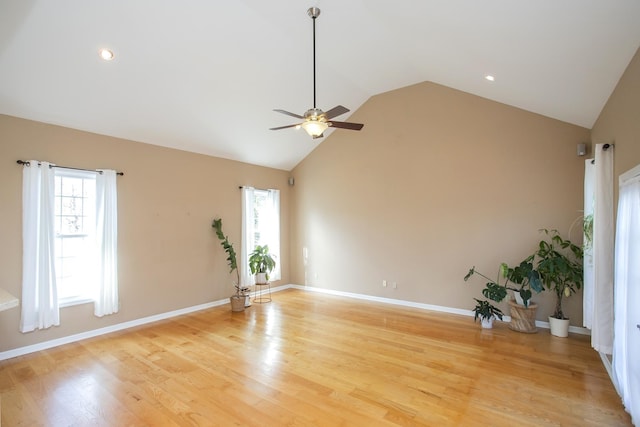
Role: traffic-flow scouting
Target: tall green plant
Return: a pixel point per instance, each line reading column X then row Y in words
column 228, row 248
column 560, row 266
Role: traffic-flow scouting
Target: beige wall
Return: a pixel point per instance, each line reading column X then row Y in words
column 619, row 121
column 169, row 257
column 438, row 181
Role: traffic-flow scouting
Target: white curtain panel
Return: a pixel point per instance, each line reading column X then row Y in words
column 603, row 248
column 626, row 345
column 39, row 294
column 106, row 268
column 588, row 273
column 247, row 246
column 273, row 236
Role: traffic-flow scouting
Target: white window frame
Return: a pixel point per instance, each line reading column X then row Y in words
column 87, row 290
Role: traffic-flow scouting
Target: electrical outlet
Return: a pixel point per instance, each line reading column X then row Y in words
column 384, row 283
column 395, row 285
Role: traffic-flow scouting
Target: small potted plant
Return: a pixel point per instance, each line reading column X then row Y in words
column 560, row 266
column 486, row 312
column 523, row 316
column 239, row 299
column 261, row 263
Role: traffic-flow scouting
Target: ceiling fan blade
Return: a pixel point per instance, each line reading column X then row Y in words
column 290, row 114
column 346, row 125
column 285, row 127
column 336, row 111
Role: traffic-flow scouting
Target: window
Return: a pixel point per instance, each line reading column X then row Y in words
column 74, row 216
column 69, row 242
column 260, row 226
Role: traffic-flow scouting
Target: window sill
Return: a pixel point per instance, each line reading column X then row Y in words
column 71, row 301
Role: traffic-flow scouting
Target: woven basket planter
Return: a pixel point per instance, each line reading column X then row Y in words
column 237, row 302
column 523, row 319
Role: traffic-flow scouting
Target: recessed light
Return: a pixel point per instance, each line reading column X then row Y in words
column 106, row 54
column 490, row 77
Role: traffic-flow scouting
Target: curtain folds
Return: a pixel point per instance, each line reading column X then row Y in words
column 626, row 347
column 273, row 231
column 39, row 293
column 106, row 300
column 603, row 248
column 588, row 273
column 248, row 233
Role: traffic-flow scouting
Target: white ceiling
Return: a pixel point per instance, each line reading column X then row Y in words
column 204, row 75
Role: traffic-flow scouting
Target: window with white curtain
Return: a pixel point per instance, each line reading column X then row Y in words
column 69, row 229
column 260, row 226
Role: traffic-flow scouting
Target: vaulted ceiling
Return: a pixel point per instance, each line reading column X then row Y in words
column 204, row 76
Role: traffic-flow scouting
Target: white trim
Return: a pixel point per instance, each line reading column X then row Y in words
column 21, row 351
column 609, row 368
column 628, row 175
column 403, row 303
column 439, row 308
column 76, row 300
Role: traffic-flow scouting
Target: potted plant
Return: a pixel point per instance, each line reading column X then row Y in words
column 560, row 266
column 239, row 299
column 486, row 312
column 527, row 279
column 261, row 263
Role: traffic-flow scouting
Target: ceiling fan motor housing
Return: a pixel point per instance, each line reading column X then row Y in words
column 315, row 114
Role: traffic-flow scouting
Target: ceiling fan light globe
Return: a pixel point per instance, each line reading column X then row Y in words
column 314, row 128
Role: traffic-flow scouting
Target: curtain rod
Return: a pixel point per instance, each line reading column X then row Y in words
column 605, row 147
column 22, row 162
column 248, row 186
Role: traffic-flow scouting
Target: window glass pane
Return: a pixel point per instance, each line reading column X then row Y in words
column 72, row 187
column 260, row 200
column 75, row 219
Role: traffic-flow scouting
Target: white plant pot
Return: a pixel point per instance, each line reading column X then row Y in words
column 518, row 298
column 261, row 278
column 487, row 323
column 559, row 327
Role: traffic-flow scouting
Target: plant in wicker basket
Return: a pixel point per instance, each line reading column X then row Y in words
column 238, row 300
column 527, row 279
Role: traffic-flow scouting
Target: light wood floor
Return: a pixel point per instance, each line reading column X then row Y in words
column 309, row 359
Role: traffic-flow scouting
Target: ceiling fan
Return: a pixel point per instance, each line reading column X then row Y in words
column 316, row 121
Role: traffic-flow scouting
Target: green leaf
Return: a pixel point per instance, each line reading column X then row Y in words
column 494, row 292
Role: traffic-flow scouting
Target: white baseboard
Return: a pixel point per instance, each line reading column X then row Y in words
column 21, row 351
column 403, row 303
column 162, row 316
column 443, row 309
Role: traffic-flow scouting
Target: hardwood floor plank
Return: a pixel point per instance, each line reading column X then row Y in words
column 308, row 359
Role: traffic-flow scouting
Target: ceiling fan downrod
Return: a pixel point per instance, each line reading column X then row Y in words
column 314, row 12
